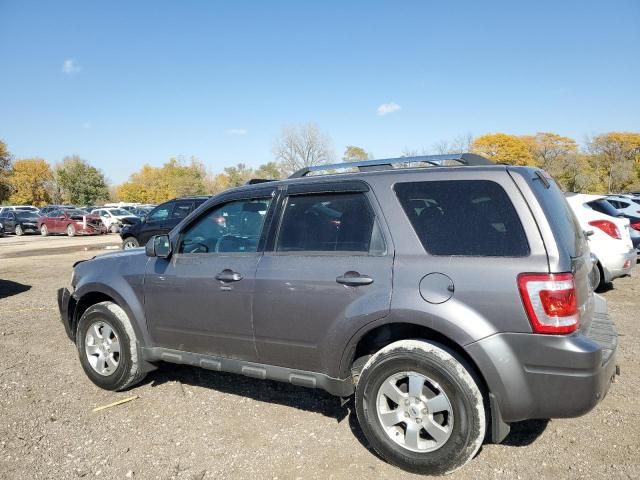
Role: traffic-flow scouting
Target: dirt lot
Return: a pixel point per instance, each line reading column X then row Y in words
column 195, row 424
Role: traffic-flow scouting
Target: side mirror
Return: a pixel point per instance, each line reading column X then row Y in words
column 158, row 246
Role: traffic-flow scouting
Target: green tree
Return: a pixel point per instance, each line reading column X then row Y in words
column 5, row 170
column 269, row 171
column 30, row 182
column 504, row 148
column 355, row 154
column 615, row 157
column 238, row 174
column 79, row 182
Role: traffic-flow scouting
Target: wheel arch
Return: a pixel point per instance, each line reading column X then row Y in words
column 93, row 293
column 377, row 337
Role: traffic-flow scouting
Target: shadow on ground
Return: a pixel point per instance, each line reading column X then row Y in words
column 262, row 390
column 318, row 401
column 525, row 433
column 9, row 288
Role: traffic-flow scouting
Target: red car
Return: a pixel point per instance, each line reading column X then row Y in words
column 71, row 222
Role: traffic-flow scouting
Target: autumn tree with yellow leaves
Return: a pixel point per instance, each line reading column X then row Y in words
column 30, row 182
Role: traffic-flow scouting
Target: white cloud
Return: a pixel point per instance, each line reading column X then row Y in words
column 236, row 131
column 387, row 108
column 70, row 66
column 86, row 125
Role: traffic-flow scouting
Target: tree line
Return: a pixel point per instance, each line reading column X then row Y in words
column 608, row 162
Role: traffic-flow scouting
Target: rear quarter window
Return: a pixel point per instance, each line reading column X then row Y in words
column 564, row 225
column 463, row 217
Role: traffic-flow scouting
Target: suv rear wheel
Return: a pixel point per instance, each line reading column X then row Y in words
column 107, row 346
column 420, row 408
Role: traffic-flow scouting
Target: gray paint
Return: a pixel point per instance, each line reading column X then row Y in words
column 288, row 319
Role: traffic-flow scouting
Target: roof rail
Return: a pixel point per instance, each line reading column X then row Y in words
column 255, row 181
column 462, row 159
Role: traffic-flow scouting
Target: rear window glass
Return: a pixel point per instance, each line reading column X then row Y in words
column 463, row 217
column 603, row 206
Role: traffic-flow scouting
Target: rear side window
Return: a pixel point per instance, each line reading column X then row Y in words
column 181, row 209
column 328, row 223
column 463, row 217
column 566, row 229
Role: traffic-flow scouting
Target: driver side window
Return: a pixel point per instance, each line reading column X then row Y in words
column 234, row 227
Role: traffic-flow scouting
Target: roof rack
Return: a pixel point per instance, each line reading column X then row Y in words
column 255, row 181
column 461, row 159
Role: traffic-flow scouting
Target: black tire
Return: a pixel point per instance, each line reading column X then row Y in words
column 71, row 230
column 598, row 278
column 452, row 377
column 18, row 230
column 130, row 242
column 128, row 371
column 44, row 231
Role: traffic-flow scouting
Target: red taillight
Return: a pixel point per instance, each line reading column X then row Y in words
column 607, row 227
column 636, row 226
column 550, row 302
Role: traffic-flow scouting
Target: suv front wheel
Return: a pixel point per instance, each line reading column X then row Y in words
column 108, row 347
column 420, row 408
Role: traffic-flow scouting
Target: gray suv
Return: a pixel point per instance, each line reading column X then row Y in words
column 450, row 300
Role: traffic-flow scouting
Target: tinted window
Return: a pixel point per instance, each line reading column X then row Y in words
column 603, row 206
column 181, row 209
column 326, row 223
column 472, row 217
column 232, row 228
column 636, row 201
column 161, row 212
column 564, row 225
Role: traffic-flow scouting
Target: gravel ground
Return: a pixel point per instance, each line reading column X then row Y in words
column 194, row 424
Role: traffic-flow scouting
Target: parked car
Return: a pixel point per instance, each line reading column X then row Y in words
column 625, row 205
column 70, row 221
column 608, row 207
column 114, row 218
column 24, row 208
column 19, row 221
column 45, row 210
column 159, row 220
column 451, row 301
column 610, row 240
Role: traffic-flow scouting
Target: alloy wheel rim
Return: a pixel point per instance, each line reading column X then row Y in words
column 414, row 412
column 102, row 348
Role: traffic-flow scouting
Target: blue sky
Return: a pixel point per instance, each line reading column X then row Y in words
column 127, row 83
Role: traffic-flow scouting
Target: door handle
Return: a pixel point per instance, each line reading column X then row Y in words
column 354, row 279
column 228, row 275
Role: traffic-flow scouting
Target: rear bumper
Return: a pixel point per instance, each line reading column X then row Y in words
column 548, row 376
column 617, row 265
column 65, row 304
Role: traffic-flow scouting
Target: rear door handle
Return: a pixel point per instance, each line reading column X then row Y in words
column 354, row 279
column 228, row 275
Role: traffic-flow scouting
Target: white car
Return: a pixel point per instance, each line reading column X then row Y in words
column 113, row 218
column 609, row 238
